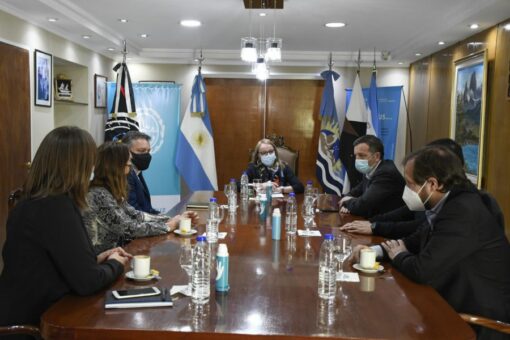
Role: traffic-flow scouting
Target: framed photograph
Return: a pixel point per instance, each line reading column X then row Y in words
column 63, row 88
column 468, row 112
column 43, row 66
column 100, row 91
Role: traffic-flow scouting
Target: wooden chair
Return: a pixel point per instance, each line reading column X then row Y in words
column 13, row 198
column 499, row 326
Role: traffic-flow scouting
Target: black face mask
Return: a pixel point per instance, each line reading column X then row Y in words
column 141, row 160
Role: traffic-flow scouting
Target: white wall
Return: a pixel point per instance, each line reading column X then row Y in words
column 20, row 33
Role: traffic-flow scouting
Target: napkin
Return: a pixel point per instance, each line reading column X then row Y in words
column 347, row 277
column 183, row 289
column 309, row 233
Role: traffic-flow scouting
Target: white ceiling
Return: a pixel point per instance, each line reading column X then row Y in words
column 402, row 27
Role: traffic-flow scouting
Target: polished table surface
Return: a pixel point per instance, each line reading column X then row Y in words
column 273, row 294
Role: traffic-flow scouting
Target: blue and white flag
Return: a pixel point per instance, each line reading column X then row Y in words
column 195, row 157
column 328, row 165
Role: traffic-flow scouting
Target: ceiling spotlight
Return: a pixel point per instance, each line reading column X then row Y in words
column 52, row 19
column 85, row 36
column 441, row 43
column 144, row 35
column 110, row 49
column 400, row 63
column 474, row 26
column 335, row 24
column 191, row 23
column 507, row 27
column 262, row 14
column 123, row 20
column 417, row 54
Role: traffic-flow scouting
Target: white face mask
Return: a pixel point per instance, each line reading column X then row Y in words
column 268, row 159
column 412, row 199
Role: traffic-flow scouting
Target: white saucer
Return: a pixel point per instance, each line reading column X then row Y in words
column 368, row 271
column 191, row 232
column 131, row 275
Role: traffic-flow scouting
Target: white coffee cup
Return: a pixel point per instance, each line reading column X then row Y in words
column 185, row 225
column 367, row 258
column 141, row 266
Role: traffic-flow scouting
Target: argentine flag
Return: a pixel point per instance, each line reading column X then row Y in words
column 195, row 158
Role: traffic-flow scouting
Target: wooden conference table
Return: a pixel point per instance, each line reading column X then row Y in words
column 273, row 294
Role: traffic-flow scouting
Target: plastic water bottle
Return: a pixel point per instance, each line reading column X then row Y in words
column 276, row 223
column 200, row 272
column 327, row 270
column 222, row 268
column 244, row 186
column 309, row 187
column 211, row 230
column 291, row 214
column 232, row 196
column 213, row 208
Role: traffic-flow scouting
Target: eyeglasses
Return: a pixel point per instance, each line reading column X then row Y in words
column 263, row 153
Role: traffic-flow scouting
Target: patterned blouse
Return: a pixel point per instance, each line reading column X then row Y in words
column 110, row 224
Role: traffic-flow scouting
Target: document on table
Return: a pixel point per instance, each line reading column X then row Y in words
column 309, row 233
column 347, row 277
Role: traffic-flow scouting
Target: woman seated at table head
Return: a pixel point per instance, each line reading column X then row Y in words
column 266, row 165
column 47, row 253
column 110, row 220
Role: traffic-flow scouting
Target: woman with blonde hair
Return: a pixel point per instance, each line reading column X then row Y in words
column 266, row 165
column 48, row 253
column 110, row 220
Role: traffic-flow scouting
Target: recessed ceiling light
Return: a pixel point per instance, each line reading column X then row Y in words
column 441, row 43
column 262, row 14
column 474, row 26
column 335, row 24
column 507, row 27
column 123, row 20
column 144, row 35
column 191, row 23
column 400, row 63
column 85, row 36
column 417, row 54
column 52, row 19
column 110, row 49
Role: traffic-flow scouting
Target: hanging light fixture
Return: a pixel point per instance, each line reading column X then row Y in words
column 260, row 69
column 249, row 46
column 274, row 44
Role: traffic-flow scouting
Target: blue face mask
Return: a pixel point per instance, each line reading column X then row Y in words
column 362, row 166
column 268, row 159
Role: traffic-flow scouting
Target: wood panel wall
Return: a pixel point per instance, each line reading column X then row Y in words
column 237, row 117
column 430, row 100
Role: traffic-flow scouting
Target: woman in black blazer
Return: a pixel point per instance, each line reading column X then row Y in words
column 47, row 253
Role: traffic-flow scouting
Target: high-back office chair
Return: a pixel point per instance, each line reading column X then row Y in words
column 286, row 154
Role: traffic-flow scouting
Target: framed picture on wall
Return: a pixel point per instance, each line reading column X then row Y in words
column 468, row 112
column 100, row 91
column 43, row 67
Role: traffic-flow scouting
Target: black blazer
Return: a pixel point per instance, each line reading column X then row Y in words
column 397, row 223
column 379, row 194
column 139, row 196
column 285, row 176
column 47, row 255
column 465, row 256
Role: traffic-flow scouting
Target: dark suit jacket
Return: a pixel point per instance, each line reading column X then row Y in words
column 285, row 176
column 139, row 195
column 47, row 255
column 397, row 223
column 379, row 194
column 465, row 256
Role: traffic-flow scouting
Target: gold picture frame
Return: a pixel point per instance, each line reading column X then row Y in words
column 467, row 121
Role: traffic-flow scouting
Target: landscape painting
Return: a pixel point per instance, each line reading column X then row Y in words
column 468, row 112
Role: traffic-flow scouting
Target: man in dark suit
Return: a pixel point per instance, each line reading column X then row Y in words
column 140, row 148
column 461, row 250
column 381, row 189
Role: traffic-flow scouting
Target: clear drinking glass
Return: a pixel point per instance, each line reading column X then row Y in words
column 186, row 261
column 308, row 212
column 259, row 187
column 342, row 251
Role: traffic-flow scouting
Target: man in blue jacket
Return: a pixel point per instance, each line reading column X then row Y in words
column 139, row 195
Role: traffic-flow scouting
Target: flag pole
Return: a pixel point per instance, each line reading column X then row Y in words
column 124, row 51
column 330, row 61
column 374, row 68
column 200, row 61
column 359, row 62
